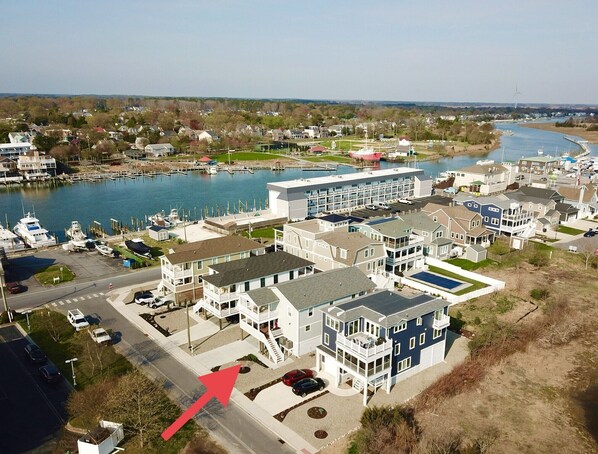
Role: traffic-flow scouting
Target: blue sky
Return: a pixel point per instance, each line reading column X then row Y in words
column 433, row 50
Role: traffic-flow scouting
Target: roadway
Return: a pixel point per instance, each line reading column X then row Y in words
column 232, row 427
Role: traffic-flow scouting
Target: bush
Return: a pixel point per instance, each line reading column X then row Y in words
column 504, row 304
column 539, row 259
column 539, row 293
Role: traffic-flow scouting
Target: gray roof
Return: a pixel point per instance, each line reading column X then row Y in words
column 254, row 267
column 500, row 201
column 476, row 247
column 420, row 221
column 321, row 288
column 566, row 208
column 262, row 296
column 541, row 193
column 393, row 228
column 442, row 240
column 387, row 308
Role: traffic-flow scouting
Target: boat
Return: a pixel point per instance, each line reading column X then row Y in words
column 366, row 153
column 212, row 170
column 32, row 233
column 9, row 241
column 104, row 249
column 76, row 236
column 137, row 246
column 162, row 220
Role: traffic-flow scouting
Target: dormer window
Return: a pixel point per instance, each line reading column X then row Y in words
column 344, row 253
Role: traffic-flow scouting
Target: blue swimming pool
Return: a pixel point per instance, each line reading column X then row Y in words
column 435, row 279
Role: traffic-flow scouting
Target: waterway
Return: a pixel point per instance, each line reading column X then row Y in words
column 197, row 194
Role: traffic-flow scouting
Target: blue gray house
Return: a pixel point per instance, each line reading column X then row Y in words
column 381, row 338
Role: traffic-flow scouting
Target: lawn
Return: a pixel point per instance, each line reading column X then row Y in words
column 328, row 158
column 469, row 265
column 569, row 230
column 47, row 275
column 267, row 232
column 124, row 252
column 476, row 285
column 246, row 156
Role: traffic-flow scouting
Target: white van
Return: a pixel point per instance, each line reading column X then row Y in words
column 381, row 205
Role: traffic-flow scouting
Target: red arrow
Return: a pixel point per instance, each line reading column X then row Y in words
column 219, row 385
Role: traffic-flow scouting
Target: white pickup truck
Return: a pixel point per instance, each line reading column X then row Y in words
column 77, row 319
column 100, row 335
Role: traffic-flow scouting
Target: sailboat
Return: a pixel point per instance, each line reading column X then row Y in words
column 366, row 153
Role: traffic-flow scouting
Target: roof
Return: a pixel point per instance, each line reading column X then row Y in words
column 544, row 159
column 565, row 208
column 476, row 247
column 387, row 308
column 455, row 211
column 391, row 227
column 157, row 228
column 541, row 193
column 419, row 221
column 213, row 247
column 484, row 169
column 334, row 218
column 572, row 193
column 326, row 287
column 254, row 267
column 262, row 296
column 351, row 242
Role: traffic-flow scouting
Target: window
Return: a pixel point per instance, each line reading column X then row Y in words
column 199, row 265
column 418, row 322
column 485, row 218
column 214, row 260
column 494, row 221
column 291, row 275
column 310, row 312
column 247, row 286
column 422, row 338
column 233, row 288
column 276, row 278
column 344, row 254
column 401, row 326
column 412, row 343
column 262, row 282
column 326, row 339
column 436, row 334
column 307, row 328
column 366, row 254
column 398, row 349
column 405, row 364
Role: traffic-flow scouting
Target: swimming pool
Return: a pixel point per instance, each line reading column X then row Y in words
column 436, row 280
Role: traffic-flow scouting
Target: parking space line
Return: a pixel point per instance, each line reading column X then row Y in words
column 54, row 304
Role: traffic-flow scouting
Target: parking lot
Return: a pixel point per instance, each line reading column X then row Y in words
column 33, row 412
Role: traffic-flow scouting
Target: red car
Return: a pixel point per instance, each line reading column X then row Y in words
column 292, row 377
column 14, row 287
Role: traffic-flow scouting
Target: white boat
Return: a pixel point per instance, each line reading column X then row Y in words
column 32, row 233
column 212, row 170
column 162, row 220
column 76, row 236
column 104, row 249
column 9, row 241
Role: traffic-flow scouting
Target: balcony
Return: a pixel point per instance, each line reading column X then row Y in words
column 262, row 315
column 219, row 310
column 364, row 346
column 177, row 273
column 442, row 322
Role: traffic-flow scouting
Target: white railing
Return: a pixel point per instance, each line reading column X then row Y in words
column 259, row 317
column 364, row 352
column 443, row 322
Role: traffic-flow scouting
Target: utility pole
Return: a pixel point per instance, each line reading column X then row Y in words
column 4, row 301
column 188, row 325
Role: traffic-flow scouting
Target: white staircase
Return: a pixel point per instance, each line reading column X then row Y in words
column 197, row 306
column 273, row 348
column 358, row 384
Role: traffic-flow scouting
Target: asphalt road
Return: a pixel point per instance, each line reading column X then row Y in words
column 232, row 427
column 32, row 411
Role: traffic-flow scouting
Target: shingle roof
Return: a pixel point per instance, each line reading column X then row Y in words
column 350, row 241
column 262, row 296
column 325, row 287
column 571, row 193
column 387, row 308
column 420, row 221
column 393, row 228
column 484, row 169
column 254, row 267
column 541, row 193
column 214, row 247
column 565, row 208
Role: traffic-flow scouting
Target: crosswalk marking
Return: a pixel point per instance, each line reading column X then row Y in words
column 75, row 300
column 54, row 304
column 95, row 295
column 61, row 303
column 68, row 301
column 89, row 297
column 101, row 293
column 47, row 306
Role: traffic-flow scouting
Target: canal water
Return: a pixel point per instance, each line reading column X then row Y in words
column 128, row 201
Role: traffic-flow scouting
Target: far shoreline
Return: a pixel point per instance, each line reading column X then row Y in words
column 590, row 136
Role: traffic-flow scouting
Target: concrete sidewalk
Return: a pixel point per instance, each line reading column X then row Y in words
column 202, row 364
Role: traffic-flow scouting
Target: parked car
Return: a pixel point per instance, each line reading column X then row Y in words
column 100, row 336
column 590, row 233
column 50, row 373
column 292, row 377
column 35, row 354
column 77, row 319
column 158, row 301
column 381, row 205
column 371, row 207
column 144, row 297
column 15, row 287
column 406, row 201
column 308, row 385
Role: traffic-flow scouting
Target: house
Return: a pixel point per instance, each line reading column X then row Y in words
column 381, row 338
column 583, row 197
column 542, row 203
column 502, row 215
column 158, row 233
column 285, row 318
column 277, row 135
column 404, row 249
column 484, row 179
column 158, row 149
column 327, row 242
column 567, row 212
column 34, row 166
column 463, row 226
column 225, row 282
column 183, row 267
column 437, row 244
column 14, row 150
column 208, row 136
column 539, row 165
column 20, row 137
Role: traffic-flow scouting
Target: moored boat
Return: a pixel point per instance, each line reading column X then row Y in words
column 104, row 249
column 366, row 153
column 9, row 241
column 32, row 233
column 76, row 236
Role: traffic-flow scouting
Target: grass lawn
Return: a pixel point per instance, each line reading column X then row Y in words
column 46, row 275
column 469, row 265
column 328, row 158
column 569, row 230
column 476, row 285
column 267, row 232
column 246, row 156
column 125, row 253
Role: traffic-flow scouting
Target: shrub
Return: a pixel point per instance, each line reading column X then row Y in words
column 477, row 321
column 539, row 293
column 504, row 304
column 539, row 259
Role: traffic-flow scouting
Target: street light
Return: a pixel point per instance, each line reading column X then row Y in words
column 27, row 315
column 72, row 361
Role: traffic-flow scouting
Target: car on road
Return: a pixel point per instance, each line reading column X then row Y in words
column 405, row 201
column 308, row 385
column 15, row 287
column 590, row 233
column 293, row 376
column 50, row 373
column 35, row 354
column 144, row 297
column 100, row 336
column 371, row 207
column 158, row 301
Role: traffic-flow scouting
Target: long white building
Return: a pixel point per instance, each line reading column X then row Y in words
column 298, row 199
column 14, row 150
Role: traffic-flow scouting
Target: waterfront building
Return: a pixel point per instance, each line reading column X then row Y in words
column 539, row 165
column 484, row 179
column 298, row 199
column 502, row 215
column 404, row 249
column 225, row 282
column 159, row 149
column 34, row 166
column 437, row 244
column 327, row 242
column 542, row 203
column 584, row 198
column 464, row 227
column 14, row 150
column 285, row 318
column 381, row 338
column 184, row 266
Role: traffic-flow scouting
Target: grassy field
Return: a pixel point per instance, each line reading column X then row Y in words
column 328, row 158
column 469, row 265
column 569, row 230
column 246, row 156
column 47, row 275
column 261, row 233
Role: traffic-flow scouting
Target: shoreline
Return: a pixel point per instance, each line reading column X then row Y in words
column 590, row 136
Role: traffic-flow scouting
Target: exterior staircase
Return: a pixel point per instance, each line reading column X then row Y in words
column 358, row 384
column 273, row 348
column 197, row 306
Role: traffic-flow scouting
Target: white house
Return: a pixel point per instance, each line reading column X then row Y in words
column 159, row 149
column 484, row 179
